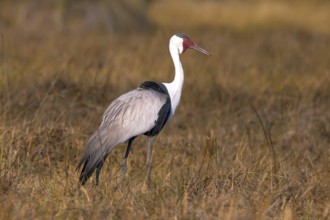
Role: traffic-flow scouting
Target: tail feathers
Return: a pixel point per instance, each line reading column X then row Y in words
column 96, row 151
column 86, row 173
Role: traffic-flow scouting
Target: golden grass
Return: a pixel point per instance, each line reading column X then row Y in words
column 250, row 139
column 212, row 161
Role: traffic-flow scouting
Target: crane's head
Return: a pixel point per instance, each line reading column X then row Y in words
column 183, row 42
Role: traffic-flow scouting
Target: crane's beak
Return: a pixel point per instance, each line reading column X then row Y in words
column 198, row 48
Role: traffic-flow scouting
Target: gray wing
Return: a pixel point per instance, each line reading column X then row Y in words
column 130, row 115
column 135, row 112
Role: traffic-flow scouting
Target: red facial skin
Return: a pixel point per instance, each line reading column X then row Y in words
column 187, row 43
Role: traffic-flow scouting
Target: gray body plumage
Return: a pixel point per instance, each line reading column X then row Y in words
column 137, row 112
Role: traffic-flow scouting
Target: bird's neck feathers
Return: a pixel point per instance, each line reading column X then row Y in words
column 179, row 75
column 175, row 87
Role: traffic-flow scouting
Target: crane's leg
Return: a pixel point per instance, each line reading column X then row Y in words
column 149, row 157
column 124, row 163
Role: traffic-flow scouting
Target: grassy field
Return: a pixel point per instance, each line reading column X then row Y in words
column 250, row 139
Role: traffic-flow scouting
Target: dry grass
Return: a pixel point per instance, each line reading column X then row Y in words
column 250, row 139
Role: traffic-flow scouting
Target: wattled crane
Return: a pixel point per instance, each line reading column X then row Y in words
column 144, row 110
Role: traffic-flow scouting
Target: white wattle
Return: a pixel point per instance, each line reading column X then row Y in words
column 175, row 87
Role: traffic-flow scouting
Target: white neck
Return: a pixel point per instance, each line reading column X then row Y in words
column 175, row 87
